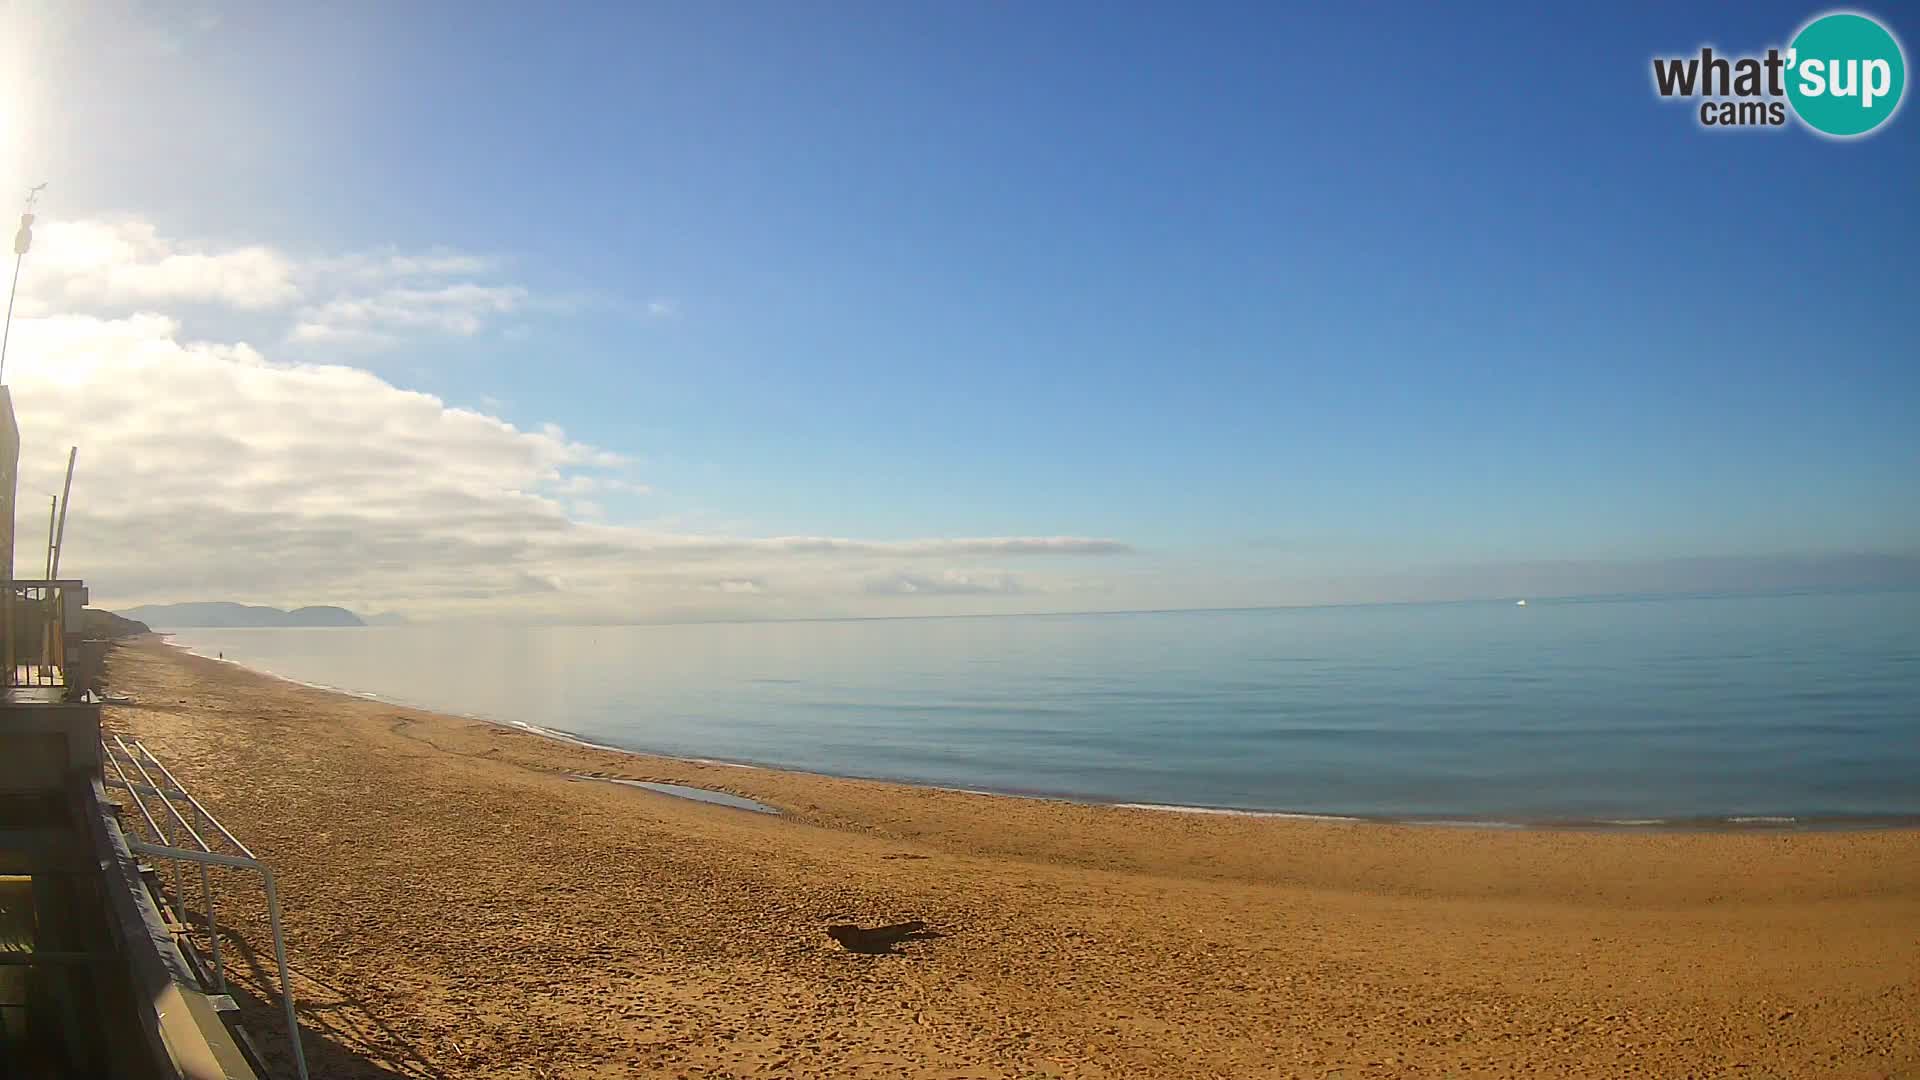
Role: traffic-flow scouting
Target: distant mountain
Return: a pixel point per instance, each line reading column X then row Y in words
column 220, row 614
column 323, row 615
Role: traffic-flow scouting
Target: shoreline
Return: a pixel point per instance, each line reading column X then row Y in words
column 1735, row 823
column 459, row 903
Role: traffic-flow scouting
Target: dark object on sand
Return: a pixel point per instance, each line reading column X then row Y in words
column 878, row 939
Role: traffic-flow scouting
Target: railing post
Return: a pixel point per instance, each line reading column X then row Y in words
column 213, row 930
column 280, row 958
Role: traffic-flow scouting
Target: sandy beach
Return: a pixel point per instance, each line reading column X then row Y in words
column 460, row 904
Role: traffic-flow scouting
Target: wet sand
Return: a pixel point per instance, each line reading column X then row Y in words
column 460, row 905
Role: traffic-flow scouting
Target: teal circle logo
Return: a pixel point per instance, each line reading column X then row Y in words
column 1845, row 74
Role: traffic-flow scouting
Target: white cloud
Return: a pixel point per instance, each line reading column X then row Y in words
column 390, row 264
column 208, row 471
column 360, row 299
column 459, row 310
column 1004, row 546
column 662, row 308
column 585, row 484
column 950, row 583
column 94, row 265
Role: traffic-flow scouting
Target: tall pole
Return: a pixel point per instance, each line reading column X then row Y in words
column 22, row 240
column 60, row 536
column 46, row 623
column 7, row 333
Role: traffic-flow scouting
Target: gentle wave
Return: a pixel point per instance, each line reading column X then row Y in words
column 1736, row 713
column 1228, row 812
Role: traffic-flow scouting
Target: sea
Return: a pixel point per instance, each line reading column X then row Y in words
column 1658, row 711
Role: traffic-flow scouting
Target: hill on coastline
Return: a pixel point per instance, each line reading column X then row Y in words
column 97, row 623
column 221, row 614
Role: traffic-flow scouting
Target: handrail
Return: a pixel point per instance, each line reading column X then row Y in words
column 206, row 881
column 188, row 795
column 204, row 858
column 107, row 754
column 214, row 858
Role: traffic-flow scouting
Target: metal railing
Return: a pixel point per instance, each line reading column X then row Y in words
column 119, row 756
column 41, row 624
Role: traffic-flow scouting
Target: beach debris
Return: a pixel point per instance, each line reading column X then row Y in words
column 878, row 940
column 684, row 791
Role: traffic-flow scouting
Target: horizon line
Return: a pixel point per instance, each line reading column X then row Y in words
column 1716, row 594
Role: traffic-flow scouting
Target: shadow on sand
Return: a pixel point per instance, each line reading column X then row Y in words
column 333, row 1049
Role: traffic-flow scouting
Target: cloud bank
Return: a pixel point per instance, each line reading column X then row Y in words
column 210, row 470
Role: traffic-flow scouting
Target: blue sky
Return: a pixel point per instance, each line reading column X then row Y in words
column 1265, row 293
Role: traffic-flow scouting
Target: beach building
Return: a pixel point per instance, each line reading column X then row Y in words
column 99, row 973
